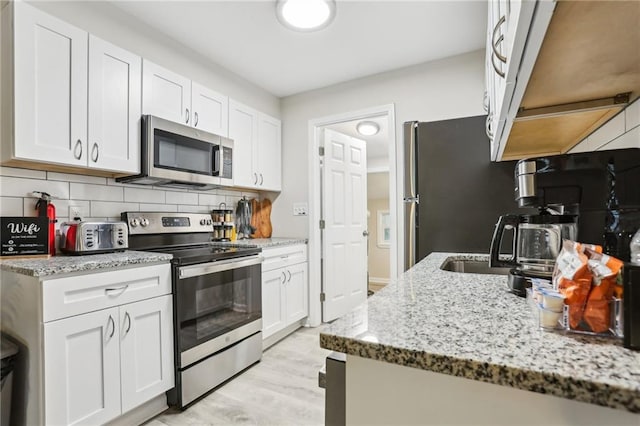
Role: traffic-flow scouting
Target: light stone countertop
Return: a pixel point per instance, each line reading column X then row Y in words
column 263, row 242
column 469, row 325
column 92, row 262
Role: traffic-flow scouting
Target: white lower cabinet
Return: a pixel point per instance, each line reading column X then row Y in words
column 100, row 344
column 284, row 288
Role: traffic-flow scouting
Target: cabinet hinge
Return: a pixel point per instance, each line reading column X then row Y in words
column 321, row 151
column 322, row 297
column 321, row 223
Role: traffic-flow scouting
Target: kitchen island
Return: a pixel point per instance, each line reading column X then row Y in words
column 438, row 347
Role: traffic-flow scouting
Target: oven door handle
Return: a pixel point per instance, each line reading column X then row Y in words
column 219, row 266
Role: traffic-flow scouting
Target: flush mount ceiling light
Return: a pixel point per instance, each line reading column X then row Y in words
column 305, row 15
column 368, row 128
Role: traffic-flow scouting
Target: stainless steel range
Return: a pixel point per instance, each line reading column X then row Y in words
column 217, row 299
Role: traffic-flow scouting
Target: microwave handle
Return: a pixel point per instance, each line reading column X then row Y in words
column 217, row 161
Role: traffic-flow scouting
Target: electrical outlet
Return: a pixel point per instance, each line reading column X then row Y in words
column 300, row 209
column 76, row 211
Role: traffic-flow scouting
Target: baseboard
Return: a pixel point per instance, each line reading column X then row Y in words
column 378, row 280
column 276, row 337
column 142, row 413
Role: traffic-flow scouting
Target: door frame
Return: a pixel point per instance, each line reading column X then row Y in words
column 315, row 126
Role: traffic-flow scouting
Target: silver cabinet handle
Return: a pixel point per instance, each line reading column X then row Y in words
column 495, row 43
column 113, row 326
column 261, row 179
column 128, row 319
column 187, row 114
column 495, row 67
column 77, row 154
column 255, row 178
column 195, row 118
column 116, row 291
column 284, row 277
column 95, row 152
column 289, row 272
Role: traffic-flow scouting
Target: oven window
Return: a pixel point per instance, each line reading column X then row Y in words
column 214, row 304
column 177, row 152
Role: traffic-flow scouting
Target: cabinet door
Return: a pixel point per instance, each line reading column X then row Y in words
column 243, row 129
column 146, row 348
column 50, row 116
column 82, row 369
column 296, row 292
column 165, row 94
column 210, row 110
column 115, row 79
column 273, row 308
column 268, row 156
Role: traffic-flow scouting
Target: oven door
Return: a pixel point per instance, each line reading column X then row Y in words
column 217, row 304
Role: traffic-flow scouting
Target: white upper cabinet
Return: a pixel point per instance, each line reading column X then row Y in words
column 243, row 129
column 256, row 149
column 50, row 88
column 115, row 78
column 173, row 97
column 210, row 110
column 76, row 98
column 165, row 94
column 269, row 153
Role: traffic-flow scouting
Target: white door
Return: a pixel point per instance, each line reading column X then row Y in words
column 296, row 292
column 210, row 110
column 243, row 129
column 344, row 210
column 115, row 98
column 273, row 308
column 268, row 154
column 50, row 59
column 165, row 94
column 146, row 348
column 82, row 369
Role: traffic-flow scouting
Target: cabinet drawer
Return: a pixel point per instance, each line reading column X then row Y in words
column 279, row 257
column 65, row 297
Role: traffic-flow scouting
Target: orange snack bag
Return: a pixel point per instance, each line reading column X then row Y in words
column 572, row 278
column 597, row 311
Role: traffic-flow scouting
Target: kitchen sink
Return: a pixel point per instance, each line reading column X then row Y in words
column 472, row 267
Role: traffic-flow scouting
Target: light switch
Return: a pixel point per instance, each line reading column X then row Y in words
column 300, row 209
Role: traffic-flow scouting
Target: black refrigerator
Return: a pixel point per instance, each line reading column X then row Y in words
column 454, row 194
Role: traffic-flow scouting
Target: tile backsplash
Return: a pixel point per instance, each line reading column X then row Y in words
column 101, row 198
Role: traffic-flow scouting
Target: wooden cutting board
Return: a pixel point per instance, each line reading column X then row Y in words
column 261, row 218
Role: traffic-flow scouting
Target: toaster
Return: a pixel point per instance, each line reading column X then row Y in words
column 81, row 237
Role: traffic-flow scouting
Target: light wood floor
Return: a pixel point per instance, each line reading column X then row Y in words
column 282, row 389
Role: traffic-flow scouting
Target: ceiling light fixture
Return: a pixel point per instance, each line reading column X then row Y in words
column 305, row 15
column 368, row 128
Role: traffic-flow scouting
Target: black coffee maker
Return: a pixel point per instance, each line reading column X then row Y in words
column 537, row 238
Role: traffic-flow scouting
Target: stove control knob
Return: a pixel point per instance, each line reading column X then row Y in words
column 144, row 222
column 121, row 242
column 209, row 222
column 203, row 222
column 134, row 222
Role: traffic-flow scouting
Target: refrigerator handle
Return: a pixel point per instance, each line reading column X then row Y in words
column 411, row 197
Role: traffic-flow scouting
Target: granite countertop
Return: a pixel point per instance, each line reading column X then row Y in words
column 68, row 264
column 264, row 242
column 469, row 325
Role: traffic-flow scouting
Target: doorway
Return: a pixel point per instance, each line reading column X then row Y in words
column 385, row 115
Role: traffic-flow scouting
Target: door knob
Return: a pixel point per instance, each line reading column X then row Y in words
column 365, row 233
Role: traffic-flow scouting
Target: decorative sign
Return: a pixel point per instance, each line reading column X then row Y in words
column 24, row 236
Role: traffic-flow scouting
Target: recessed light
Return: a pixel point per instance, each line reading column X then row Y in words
column 305, row 15
column 368, row 128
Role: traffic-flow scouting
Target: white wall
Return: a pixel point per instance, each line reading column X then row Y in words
column 444, row 89
column 111, row 24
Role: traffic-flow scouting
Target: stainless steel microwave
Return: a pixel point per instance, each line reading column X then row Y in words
column 181, row 156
